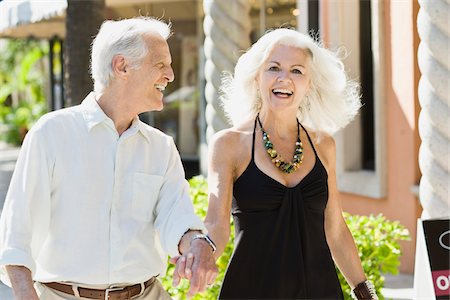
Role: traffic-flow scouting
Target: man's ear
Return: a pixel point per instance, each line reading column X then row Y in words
column 119, row 66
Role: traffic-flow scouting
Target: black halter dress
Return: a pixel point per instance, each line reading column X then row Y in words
column 280, row 247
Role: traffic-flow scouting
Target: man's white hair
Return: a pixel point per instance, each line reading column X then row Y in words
column 124, row 37
column 331, row 102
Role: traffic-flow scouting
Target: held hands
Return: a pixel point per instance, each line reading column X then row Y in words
column 197, row 264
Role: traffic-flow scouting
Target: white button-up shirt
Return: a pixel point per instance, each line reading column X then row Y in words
column 89, row 206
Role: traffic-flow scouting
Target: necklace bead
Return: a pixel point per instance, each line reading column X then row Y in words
column 277, row 160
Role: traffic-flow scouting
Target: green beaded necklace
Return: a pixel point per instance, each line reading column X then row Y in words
column 286, row 167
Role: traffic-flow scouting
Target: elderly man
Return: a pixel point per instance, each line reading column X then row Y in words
column 98, row 198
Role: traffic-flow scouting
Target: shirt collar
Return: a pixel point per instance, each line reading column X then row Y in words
column 141, row 126
column 94, row 115
column 92, row 112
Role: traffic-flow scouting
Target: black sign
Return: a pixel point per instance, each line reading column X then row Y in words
column 437, row 237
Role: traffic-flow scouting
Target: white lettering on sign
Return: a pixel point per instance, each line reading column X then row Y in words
column 441, row 238
column 443, row 282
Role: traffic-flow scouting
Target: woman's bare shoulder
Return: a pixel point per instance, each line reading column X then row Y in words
column 325, row 147
column 230, row 137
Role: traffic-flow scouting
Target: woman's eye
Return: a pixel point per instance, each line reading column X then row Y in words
column 273, row 68
column 297, row 71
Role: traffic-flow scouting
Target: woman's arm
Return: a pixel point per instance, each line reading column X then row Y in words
column 339, row 238
column 220, row 188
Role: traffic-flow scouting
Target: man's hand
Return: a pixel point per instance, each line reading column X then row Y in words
column 22, row 283
column 197, row 264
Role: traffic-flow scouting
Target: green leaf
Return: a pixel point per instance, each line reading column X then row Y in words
column 22, row 80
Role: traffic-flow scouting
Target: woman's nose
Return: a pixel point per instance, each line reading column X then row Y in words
column 284, row 76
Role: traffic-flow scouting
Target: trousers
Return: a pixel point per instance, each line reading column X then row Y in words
column 153, row 292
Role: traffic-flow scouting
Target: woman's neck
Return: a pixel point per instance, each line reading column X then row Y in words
column 280, row 124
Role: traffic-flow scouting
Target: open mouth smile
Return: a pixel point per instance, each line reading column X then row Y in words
column 282, row 92
column 160, row 87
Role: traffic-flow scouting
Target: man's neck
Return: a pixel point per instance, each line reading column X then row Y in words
column 114, row 106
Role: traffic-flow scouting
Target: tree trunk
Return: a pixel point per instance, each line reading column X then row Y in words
column 83, row 20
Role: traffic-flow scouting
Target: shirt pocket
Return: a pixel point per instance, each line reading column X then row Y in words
column 146, row 190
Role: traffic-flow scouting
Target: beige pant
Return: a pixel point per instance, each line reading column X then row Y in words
column 153, row 292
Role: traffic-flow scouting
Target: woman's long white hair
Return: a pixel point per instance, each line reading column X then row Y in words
column 331, row 102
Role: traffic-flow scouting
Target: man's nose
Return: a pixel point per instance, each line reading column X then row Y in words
column 169, row 75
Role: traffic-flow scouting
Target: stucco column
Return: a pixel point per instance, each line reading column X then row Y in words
column 434, row 96
column 227, row 27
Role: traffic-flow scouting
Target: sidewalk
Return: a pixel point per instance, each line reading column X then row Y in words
column 5, row 292
column 8, row 156
column 398, row 287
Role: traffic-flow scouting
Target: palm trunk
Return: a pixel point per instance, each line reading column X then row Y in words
column 82, row 23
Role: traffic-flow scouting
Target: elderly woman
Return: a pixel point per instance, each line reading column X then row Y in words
column 274, row 171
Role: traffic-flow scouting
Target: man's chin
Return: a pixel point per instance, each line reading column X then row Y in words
column 157, row 106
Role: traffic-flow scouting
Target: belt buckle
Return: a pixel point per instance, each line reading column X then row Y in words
column 107, row 291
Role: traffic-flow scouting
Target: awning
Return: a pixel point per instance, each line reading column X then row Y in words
column 32, row 18
column 46, row 18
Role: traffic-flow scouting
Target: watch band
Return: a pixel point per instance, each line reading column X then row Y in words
column 206, row 238
column 364, row 291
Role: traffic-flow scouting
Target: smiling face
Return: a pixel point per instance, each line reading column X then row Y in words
column 149, row 80
column 284, row 78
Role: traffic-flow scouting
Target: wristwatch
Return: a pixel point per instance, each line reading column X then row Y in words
column 206, row 238
column 364, row 291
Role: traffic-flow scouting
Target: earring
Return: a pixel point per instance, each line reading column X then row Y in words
column 305, row 105
column 258, row 101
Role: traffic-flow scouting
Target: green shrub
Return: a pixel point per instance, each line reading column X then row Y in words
column 22, row 82
column 20, row 119
column 376, row 239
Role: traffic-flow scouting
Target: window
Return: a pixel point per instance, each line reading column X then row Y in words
column 361, row 153
column 366, row 78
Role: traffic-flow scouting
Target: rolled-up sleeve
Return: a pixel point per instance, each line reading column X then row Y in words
column 174, row 210
column 25, row 217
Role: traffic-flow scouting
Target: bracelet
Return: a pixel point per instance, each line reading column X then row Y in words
column 364, row 291
column 207, row 239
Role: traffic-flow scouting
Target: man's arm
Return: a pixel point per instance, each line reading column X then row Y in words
column 197, row 263
column 174, row 215
column 174, row 210
column 26, row 214
column 22, row 283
